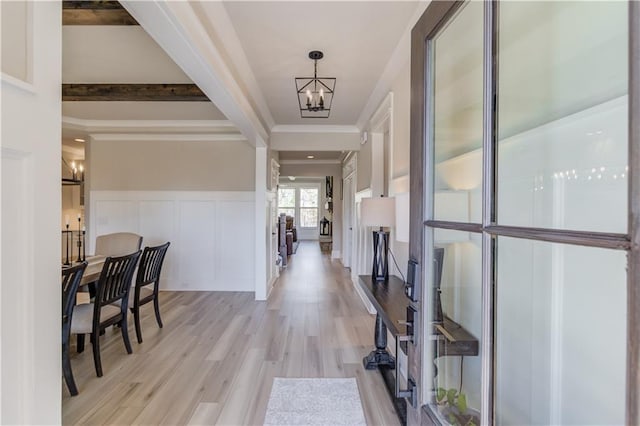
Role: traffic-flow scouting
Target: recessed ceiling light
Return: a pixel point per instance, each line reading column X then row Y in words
column 310, row 156
column 79, row 140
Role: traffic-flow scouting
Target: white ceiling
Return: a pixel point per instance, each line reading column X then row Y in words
column 317, row 155
column 357, row 38
column 123, row 54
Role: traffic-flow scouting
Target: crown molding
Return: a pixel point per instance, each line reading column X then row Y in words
column 149, row 126
column 217, row 21
column 399, row 58
column 314, row 128
column 167, row 137
column 382, row 114
column 308, row 162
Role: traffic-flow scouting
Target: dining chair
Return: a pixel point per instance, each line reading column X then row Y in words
column 115, row 244
column 148, row 276
column 109, row 306
column 71, row 278
column 118, row 243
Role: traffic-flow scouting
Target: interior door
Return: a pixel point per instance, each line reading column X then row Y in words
column 272, row 246
column 347, row 231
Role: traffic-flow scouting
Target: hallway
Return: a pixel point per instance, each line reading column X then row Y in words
column 215, row 360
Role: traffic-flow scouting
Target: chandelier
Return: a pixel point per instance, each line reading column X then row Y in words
column 76, row 171
column 315, row 94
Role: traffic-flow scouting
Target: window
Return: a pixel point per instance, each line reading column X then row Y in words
column 300, row 202
column 309, row 207
column 287, row 201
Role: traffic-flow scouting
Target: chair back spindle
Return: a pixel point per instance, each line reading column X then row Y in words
column 115, row 279
column 71, row 278
column 148, row 274
column 151, row 264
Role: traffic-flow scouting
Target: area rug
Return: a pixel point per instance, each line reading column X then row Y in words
column 314, row 402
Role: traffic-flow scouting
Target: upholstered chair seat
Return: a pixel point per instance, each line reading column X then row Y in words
column 82, row 321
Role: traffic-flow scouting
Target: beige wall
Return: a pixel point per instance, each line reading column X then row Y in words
column 401, row 106
column 399, row 165
column 15, row 43
column 171, row 165
column 315, row 141
column 364, row 166
column 321, row 170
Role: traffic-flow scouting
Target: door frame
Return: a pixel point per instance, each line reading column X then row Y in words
column 348, row 211
column 421, row 209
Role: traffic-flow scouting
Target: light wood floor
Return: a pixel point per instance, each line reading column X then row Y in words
column 215, row 359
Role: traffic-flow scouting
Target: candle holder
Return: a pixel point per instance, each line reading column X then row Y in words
column 79, row 241
column 67, row 244
column 84, row 246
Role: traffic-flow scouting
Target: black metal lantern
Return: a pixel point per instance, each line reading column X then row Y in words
column 315, row 94
column 325, row 226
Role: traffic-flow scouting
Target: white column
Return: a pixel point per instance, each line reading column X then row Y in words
column 30, row 372
column 262, row 233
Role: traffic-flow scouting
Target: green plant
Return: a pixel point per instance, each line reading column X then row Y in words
column 456, row 407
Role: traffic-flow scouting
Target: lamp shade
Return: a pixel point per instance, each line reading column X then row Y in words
column 378, row 211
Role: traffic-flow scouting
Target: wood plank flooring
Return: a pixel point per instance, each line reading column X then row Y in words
column 215, row 359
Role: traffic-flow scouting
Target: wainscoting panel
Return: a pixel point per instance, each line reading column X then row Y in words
column 234, row 225
column 212, row 234
column 158, row 227
column 196, row 245
column 113, row 216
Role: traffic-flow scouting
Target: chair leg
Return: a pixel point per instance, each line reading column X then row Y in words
column 66, row 370
column 125, row 334
column 136, row 319
column 156, row 308
column 96, row 353
column 80, row 343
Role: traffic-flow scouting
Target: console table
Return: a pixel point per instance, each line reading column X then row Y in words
column 388, row 298
column 391, row 303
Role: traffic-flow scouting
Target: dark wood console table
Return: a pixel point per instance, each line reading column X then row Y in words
column 390, row 302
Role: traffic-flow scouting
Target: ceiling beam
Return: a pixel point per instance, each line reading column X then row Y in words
column 180, row 31
column 95, row 13
column 133, row 92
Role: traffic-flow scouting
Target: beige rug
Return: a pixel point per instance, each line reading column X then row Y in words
column 314, row 402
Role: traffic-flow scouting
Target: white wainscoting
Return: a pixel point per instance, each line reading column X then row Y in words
column 212, row 234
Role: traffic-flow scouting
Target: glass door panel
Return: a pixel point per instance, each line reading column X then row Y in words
column 562, row 115
column 560, row 334
column 456, row 326
column 457, row 120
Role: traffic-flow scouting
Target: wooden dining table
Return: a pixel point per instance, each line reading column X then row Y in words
column 93, row 270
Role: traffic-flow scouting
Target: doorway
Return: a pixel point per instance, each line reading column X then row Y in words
column 347, row 229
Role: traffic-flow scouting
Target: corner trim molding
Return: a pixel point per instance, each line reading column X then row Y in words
column 298, row 162
column 314, row 128
column 158, row 137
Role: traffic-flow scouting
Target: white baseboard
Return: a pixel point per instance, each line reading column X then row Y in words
column 272, row 284
column 335, row 254
column 364, row 299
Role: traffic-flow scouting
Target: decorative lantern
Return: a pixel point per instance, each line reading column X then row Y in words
column 325, row 228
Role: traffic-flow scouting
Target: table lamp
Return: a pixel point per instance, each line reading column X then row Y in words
column 380, row 211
